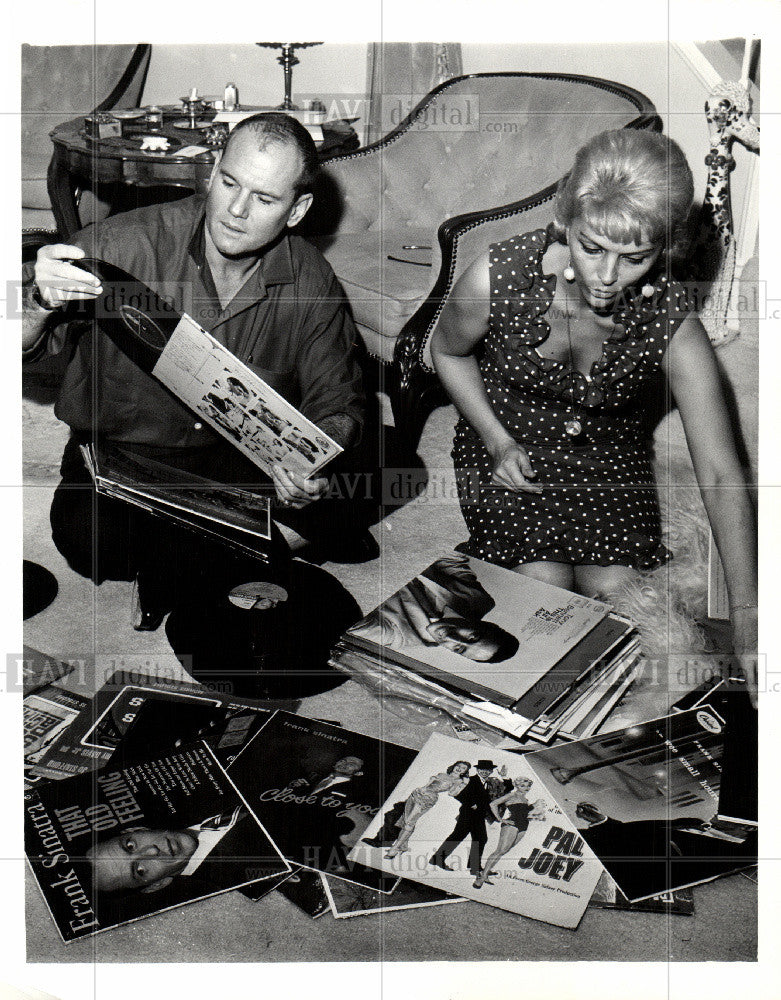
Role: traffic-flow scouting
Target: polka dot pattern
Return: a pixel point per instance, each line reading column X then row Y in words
column 598, row 504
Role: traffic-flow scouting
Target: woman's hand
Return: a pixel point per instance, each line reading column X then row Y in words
column 512, row 467
column 744, row 644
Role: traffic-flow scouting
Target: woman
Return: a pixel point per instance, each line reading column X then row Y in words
column 513, row 825
column 422, row 799
column 544, row 346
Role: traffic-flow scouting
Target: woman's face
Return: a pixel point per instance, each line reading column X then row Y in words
column 603, row 269
column 522, row 784
column 460, row 770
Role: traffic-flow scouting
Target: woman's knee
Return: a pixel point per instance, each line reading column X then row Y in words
column 556, row 573
column 602, row 582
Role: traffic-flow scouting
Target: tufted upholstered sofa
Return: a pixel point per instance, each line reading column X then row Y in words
column 61, row 82
column 475, row 162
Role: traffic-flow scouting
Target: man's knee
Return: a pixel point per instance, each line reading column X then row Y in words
column 71, row 532
column 93, row 545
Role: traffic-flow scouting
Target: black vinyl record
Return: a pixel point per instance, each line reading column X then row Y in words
column 133, row 316
column 278, row 653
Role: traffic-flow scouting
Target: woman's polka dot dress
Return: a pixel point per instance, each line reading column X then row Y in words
column 598, row 504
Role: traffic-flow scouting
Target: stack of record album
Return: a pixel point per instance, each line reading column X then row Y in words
column 594, row 677
column 224, row 792
column 486, row 644
column 238, row 518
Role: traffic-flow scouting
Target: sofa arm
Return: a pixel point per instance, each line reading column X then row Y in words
column 462, row 239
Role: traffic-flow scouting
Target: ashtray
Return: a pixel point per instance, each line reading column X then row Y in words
column 129, row 114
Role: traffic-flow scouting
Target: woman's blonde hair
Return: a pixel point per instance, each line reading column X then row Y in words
column 631, row 186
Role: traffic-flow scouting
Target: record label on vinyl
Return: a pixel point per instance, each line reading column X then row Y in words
column 259, row 594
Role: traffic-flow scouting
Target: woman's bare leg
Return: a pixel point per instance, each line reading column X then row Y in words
column 559, row 574
column 602, row 581
column 412, row 813
column 508, row 838
column 402, row 841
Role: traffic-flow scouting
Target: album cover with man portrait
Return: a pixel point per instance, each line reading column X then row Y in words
column 317, row 787
column 128, row 842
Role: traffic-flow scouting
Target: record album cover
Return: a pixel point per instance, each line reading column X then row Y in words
column 646, row 800
column 317, row 787
column 348, row 899
column 479, row 823
column 98, row 731
column 478, row 627
column 125, row 843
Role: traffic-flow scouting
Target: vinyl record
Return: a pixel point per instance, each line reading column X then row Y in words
column 281, row 652
column 133, row 316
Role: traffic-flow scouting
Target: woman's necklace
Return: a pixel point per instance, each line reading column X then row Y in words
column 573, row 426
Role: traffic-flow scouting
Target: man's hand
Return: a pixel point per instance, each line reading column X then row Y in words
column 59, row 281
column 295, row 491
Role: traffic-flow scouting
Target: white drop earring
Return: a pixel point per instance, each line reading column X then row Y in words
column 647, row 291
column 569, row 273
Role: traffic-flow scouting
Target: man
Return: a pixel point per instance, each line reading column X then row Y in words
column 441, row 607
column 232, row 263
column 336, row 781
column 475, row 801
column 144, row 860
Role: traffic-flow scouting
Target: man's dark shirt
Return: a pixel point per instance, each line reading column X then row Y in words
column 288, row 323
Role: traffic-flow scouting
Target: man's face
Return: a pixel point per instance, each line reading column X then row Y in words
column 484, row 773
column 348, row 766
column 463, row 637
column 138, row 858
column 252, row 196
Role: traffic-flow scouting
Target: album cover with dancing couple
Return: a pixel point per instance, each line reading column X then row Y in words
column 480, row 824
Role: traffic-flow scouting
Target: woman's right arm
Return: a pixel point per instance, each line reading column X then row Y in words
column 462, row 325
